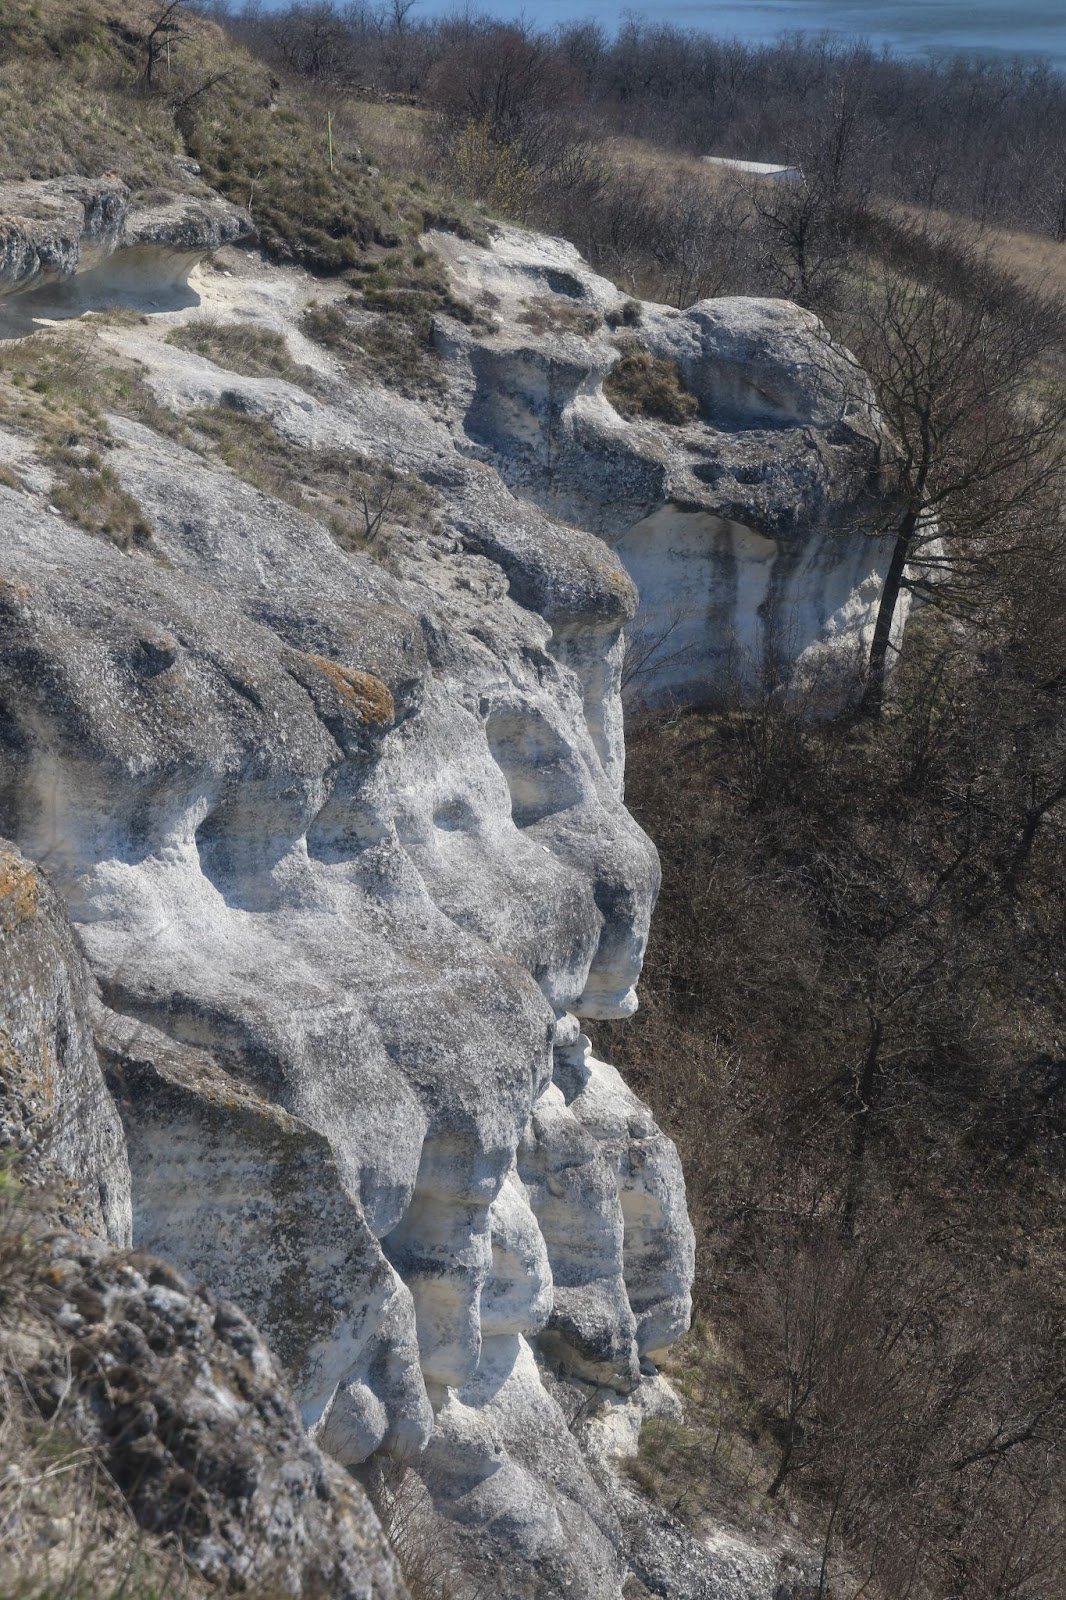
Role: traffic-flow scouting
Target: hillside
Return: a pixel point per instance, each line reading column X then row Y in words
column 419, row 642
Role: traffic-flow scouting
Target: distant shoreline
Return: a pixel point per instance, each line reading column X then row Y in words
column 911, row 29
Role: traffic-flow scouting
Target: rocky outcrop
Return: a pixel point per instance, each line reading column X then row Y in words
column 341, row 927
column 56, row 1116
column 344, row 841
column 206, row 1147
column 167, row 1391
column 749, row 525
column 181, row 1403
column 68, row 244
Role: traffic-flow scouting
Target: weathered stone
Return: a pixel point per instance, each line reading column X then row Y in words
column 248, row 1198
column 69, row 244
column 345, row 842
column 169, row 1392
column 54, row 1106
column 751, row 531
column 184, row 1407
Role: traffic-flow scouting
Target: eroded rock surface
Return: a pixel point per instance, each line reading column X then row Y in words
column 750, row 527
column 57, row 1115
column 341, row 849
column 168, row 1391
column 345, row 844
column 185, row 1407
column 69, row 244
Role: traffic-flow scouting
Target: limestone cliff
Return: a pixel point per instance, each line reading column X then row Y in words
column 342, row 834
column 123, row 1367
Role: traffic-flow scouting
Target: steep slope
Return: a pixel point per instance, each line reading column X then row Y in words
column 337, row 813
column 124, row 1386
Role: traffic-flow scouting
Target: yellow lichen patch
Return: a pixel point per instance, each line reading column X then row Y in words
column 616, row 578
column 9, row 1058
column 369, row 697
column 12, row 590
column 19, row 891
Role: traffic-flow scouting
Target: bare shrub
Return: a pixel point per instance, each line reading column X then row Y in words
column 848, row 1022
column 432, row 1559
column 642, row 385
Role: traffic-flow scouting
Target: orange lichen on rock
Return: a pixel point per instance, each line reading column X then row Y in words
column 368, row 696
column 19, row 891
column 10, row 588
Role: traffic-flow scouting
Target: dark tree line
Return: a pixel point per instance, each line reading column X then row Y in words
column 981, row 138
column 852, row 1020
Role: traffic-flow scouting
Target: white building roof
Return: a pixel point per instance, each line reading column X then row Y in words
column 757, row 169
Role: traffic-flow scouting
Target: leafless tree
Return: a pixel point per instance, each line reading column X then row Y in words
column 157, row 41
column 955, row 355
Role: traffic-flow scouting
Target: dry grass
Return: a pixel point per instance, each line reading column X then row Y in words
column 362, row 503
column 89, row 494
column 711, row 1468
column 392, row 136
column 643, row 385
column 75, row 65
column 272, row 157
column 241, row 347
column 645, row 157
column 551, row 314
column 1038, row 262
column 260, row 143
column 54, row 387
column 396, row 350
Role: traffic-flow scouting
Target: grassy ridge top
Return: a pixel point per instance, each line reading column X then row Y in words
column 87, row 90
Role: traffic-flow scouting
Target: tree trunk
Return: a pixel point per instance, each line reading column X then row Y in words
column 873, row 694
column 785, row 1464
column 861, row 1135
column 1024, row 848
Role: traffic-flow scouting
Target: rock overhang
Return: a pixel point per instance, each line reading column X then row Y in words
column 347, row 849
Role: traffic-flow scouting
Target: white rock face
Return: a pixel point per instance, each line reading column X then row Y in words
column 69, row 244
column 334, row 916
column 750, row 531
column 346, row 846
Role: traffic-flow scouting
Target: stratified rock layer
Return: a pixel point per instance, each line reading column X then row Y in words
column 749, row 527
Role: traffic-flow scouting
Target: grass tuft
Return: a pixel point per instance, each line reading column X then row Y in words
column 241, row 347
column 643, row 385
column 396, row 350
column 550, row 314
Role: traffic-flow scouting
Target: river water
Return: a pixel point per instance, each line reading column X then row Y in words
column 1030, row 28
